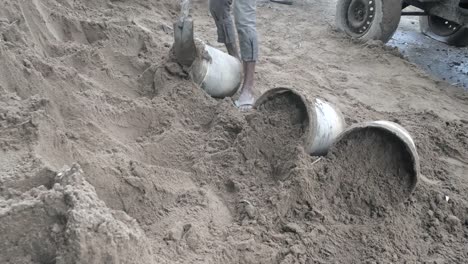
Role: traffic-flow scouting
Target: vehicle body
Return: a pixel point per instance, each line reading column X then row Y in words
column 444, row 20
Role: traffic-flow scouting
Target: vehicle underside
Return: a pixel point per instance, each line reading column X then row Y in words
column 443, row 20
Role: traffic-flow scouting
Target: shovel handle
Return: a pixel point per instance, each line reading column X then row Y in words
column 184, row 9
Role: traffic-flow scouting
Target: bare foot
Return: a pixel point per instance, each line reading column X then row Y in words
column 246, row 100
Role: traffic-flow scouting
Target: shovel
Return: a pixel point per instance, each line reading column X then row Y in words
column 184, row 44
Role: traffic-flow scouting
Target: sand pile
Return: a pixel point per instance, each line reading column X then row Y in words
column 67, row 223
column 278, row 129
column 171, row 175
column 368, row 169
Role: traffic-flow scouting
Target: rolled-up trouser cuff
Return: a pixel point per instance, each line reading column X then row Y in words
column 248, row 44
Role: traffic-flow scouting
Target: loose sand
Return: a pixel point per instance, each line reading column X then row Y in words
column 168, row 174
column 367, row 170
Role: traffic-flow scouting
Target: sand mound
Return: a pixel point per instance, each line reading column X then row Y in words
column 171, row 175
column 277, row 130
column 68, row 224
column 369, row 169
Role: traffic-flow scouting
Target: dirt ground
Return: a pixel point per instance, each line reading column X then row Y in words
column 109, row 154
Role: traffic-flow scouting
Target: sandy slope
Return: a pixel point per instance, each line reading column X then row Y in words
column 92, row 82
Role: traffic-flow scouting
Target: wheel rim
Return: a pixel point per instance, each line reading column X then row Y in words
column 360, row 15
column 442, row 27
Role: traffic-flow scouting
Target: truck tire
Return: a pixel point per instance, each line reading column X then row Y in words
column 444, row 30
column 369, row 19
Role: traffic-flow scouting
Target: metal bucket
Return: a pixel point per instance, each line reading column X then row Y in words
column 400, row 133
column 324, row 121
column 216, row 72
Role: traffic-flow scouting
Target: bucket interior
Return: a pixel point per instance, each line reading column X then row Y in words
column 373, row 168
column 274, row 99
column 278, row 129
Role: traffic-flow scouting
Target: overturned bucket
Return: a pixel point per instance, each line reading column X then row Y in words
column 324, row 122
column 379, row 164
column 216, row 72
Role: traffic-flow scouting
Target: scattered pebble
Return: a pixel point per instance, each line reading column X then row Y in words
column 56, row 228
column 453, row 220
column 293, row 228
column 430, row 213
column 249, row 209
column 175, row 233
column 298, row 249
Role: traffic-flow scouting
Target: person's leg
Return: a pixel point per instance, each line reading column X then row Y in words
column 221, row 12
column 246, row 20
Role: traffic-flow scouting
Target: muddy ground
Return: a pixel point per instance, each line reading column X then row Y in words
column 109, row 154
column 443, row 62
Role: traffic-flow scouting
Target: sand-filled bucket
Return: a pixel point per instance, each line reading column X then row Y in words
column 216, row 72
column 376, row 165
column 324, row 122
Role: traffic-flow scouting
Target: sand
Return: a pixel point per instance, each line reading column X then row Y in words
column 367, row 171
column 278, row 129
column 168, row 174
column 67, row 223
